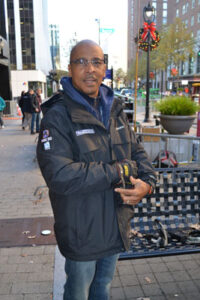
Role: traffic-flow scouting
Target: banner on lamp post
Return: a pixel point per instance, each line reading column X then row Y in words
column 198, row 124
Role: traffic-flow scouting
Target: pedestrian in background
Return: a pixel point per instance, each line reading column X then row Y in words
column 27, row 106
column 21, row 105
column 36, row 102
column 2, row 106
column 96, row 172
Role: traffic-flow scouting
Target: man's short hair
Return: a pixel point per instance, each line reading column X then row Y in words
column 89, row 42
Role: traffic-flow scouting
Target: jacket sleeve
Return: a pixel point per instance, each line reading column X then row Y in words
column 33, row 102
column 62, row 174
column 2, row 104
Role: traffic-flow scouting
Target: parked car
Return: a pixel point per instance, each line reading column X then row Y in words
column 126, row 92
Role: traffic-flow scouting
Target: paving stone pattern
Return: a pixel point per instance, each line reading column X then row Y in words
column 27, row 273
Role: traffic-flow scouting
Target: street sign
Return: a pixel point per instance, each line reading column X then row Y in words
column 107, row 30
column 184, row 82
column 108, row 74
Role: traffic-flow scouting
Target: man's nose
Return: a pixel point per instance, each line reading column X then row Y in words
column 90, row 67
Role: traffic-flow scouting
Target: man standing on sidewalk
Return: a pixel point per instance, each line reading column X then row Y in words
column 96, row 172
column 27, row 107
column 36, row 102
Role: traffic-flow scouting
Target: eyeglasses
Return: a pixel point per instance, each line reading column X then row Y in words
column 83, row 62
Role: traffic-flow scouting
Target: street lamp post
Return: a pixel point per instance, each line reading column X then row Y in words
column 149, row 16
column 98, row 21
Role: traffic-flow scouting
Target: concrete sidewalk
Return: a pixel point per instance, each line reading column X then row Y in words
column 26, row 273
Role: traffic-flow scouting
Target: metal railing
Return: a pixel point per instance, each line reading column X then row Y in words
column 186, row 148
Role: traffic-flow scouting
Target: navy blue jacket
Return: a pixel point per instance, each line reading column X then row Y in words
column 74, row 153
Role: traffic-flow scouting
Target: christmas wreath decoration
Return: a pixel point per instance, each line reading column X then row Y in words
column 154, row 37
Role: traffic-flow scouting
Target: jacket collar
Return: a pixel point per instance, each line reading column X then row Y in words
column 79, row 114
column 105, row 93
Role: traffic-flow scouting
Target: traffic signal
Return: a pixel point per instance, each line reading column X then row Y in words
column 198, row 53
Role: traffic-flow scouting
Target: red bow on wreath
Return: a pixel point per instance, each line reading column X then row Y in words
column 149, row 27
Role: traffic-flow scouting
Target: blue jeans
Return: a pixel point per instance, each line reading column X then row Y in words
column 89, row 280
column 35, row 117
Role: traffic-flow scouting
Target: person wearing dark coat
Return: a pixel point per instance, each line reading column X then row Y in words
column 21, row 104
column 2, row 106
column 27, row 108
column 36, row 102
column 96, row 172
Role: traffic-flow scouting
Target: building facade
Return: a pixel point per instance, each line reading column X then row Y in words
column 5, row 89
column 164, row 14
column 54, row 46
column 189, row 12
column 30, row 60
column 166, row 11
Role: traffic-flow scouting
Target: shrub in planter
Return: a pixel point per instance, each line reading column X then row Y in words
column 177, row 113
column 177, row 106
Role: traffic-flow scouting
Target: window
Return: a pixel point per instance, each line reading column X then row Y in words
column 198, row 63
column 198, row 18
column 154, row 4
column 27, row 32
column 164, row 13
column 192, row 21
column 182, row 68
column 164, row 5
column 177, row 13
column 193, row 3
column 183, row 9
column 198, row 36
column 186, row 23
column 177, row 1
column 199, row 2
column 10, row 5
column 164, row 21
column 191, row 65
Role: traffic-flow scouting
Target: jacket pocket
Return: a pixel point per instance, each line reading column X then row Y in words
column 87, row 143
column 121, row 144
column 89, row 147
column 121, row 136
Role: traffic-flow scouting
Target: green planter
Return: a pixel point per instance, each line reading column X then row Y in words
column 177, row 113
column 176, row 124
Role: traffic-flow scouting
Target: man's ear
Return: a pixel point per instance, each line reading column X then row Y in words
column 69, row 70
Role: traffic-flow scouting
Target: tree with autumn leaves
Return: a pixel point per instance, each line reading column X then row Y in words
column 120, row 77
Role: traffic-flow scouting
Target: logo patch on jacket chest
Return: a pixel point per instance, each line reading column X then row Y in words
column 45, row 133
column 46, row 139
column 47, row 146
column 84, row 131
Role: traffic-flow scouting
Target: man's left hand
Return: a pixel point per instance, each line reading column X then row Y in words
column 134, row 195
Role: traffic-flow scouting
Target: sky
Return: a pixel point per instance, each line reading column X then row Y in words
column 76, row 18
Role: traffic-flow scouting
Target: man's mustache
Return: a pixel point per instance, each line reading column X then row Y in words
column 90, row 78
